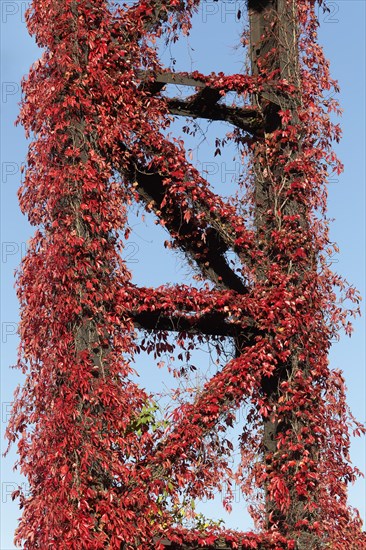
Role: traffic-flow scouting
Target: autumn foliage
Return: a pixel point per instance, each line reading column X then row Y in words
column 101, row 472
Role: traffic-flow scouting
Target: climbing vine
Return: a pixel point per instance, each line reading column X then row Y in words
column 102, row 470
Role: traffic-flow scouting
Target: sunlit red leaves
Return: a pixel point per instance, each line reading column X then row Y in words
column 95, row 478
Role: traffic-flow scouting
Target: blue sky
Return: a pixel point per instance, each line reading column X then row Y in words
column 210, row 48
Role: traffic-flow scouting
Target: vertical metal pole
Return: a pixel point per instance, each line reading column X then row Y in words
column 274, row 47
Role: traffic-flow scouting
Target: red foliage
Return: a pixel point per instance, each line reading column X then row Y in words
column 94, row 481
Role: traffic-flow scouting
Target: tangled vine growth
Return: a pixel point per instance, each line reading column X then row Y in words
column 102, row 473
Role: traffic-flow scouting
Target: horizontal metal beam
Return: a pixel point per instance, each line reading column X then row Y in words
column 213, row 324
column 246, row 118
column 160, row 80
column 203, row 104
column 191, row 546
